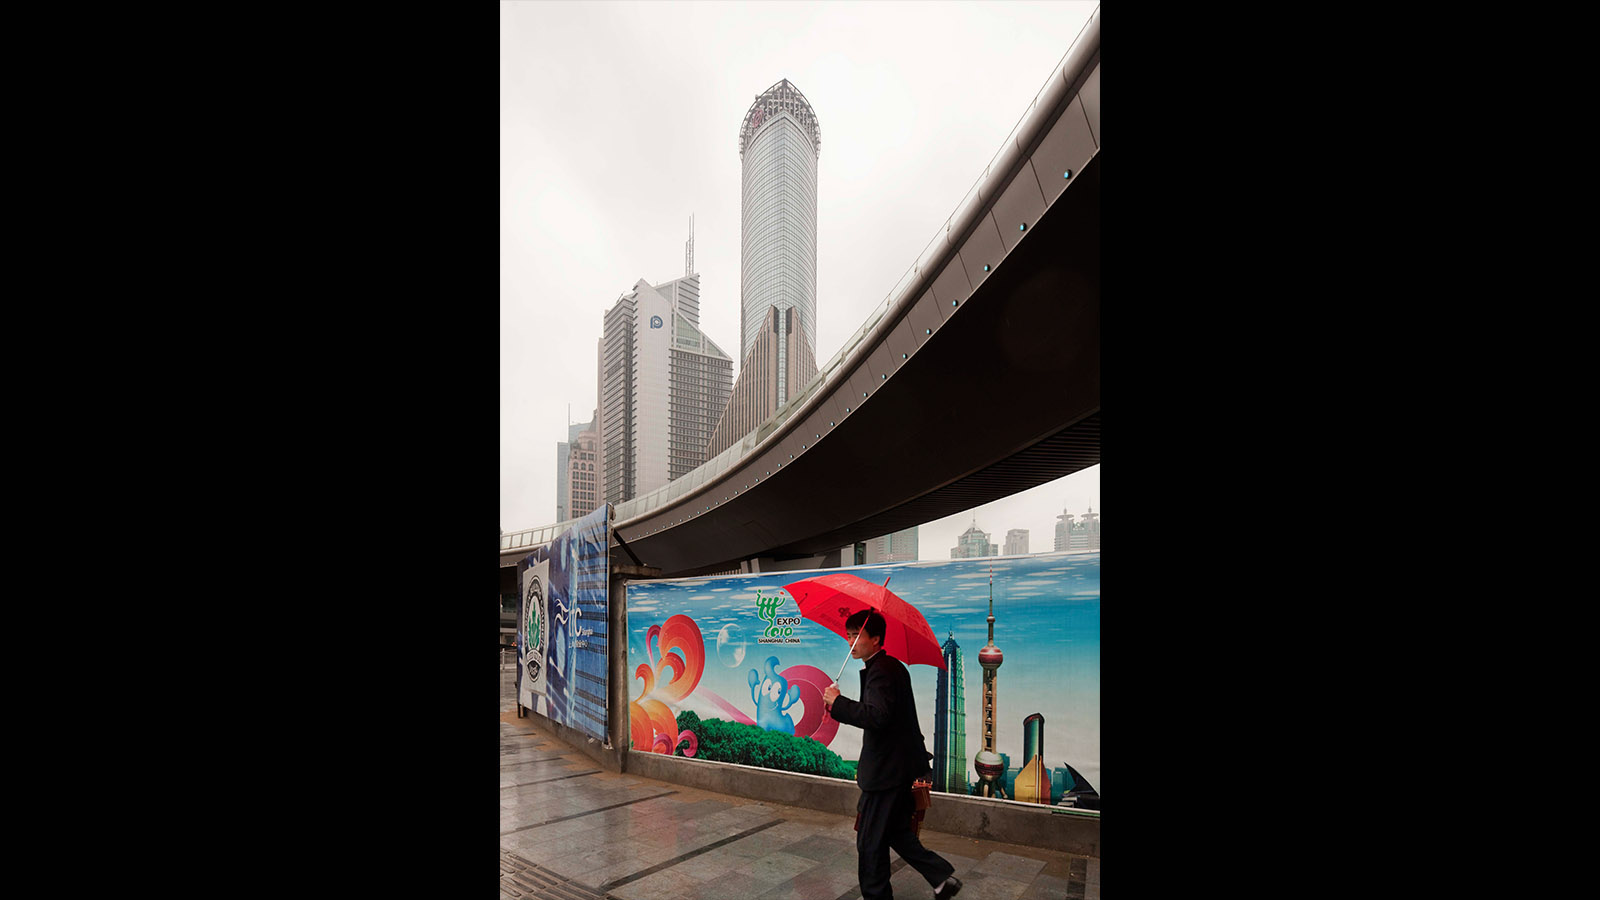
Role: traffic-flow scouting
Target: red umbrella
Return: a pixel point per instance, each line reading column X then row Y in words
column 831, row 599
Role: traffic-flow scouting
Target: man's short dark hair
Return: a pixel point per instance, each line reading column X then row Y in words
column 875, row 625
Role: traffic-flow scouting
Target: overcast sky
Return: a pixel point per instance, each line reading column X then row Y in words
column 619, row 120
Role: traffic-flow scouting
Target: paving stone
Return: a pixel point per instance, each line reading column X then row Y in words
column 735, row 885
column 663, row 885
column 991, row 887
column 760, row 844
column 1008, row 865
column 826, row 882
column 708, row 866
column 820, row 847
column 776, row 867
column 704, row 808
column 792, row 830
column 594, row 878
column 1044, row 887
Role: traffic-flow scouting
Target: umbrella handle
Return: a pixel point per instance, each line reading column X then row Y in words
column 847, row 658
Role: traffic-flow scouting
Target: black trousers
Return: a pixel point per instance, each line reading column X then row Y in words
column 885, row 824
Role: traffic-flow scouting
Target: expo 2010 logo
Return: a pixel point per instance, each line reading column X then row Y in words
column 532, row 626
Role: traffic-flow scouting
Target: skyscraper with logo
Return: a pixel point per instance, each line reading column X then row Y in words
column 780, row 143
column 663, row 383
column 950, row 724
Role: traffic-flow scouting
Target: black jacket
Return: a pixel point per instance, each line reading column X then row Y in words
column 893, row 753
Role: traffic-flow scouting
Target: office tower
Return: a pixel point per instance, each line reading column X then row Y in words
column 988, row 763
column 1083, row 535
column 564, row 469
column 973, row 543
column 900, row 546
column 663, row 383
column 1033, row 780
column 583, row 476
column 779, row 146
column 950, row 724
column 1017, row 542
column 1090, row 529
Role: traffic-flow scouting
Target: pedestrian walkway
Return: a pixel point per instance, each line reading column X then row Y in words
column 572, row 831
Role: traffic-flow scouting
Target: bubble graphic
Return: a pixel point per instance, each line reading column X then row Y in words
column 731, row 646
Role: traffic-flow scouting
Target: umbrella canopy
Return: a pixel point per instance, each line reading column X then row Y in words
column 831, row 599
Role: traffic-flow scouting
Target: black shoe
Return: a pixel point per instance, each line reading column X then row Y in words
column 950, row 889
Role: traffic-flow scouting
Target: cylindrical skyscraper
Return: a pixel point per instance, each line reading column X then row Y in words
column 1033, row 782
column 779, row 145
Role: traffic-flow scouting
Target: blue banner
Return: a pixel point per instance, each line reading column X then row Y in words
column 562, row 640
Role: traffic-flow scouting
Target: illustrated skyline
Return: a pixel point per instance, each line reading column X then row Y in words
column 1047, row 616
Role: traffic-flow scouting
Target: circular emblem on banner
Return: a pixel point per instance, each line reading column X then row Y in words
column 533, row 626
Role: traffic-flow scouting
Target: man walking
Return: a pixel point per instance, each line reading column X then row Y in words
column 893, row 755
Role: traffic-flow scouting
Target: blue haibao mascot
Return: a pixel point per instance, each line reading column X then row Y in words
column 772, row 695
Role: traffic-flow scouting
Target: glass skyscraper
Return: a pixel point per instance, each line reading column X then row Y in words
column 779, row 145
column 950, row 723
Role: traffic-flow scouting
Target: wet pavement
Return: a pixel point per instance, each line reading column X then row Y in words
column 570, row 830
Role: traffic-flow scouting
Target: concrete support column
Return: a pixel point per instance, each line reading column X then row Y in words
column 617, row 676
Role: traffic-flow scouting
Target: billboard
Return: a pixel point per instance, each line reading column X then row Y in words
column 562, row 611
column 732, row 668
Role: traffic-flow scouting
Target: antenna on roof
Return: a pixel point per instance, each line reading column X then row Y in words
column 688, row 249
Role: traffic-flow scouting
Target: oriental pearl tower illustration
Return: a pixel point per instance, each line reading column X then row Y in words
column 988, row 764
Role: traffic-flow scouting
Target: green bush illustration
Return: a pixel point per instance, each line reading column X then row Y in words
column 723, row 741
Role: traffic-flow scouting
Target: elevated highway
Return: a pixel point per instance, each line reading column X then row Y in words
column 977, row 378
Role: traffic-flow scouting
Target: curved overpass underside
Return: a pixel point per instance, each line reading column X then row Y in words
column 1000, row 395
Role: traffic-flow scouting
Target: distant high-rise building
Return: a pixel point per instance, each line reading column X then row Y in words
column 900, row 546
column 950, row 724
column 1032, row 784
column 583, row 477
column 780, row 143
column 577, row 479
column 1083, row 535
column 663, row 383
column 1016, row 542
column 973, row 543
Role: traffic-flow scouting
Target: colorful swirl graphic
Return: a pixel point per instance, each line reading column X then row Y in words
column 683, row 653
column 816, row 723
